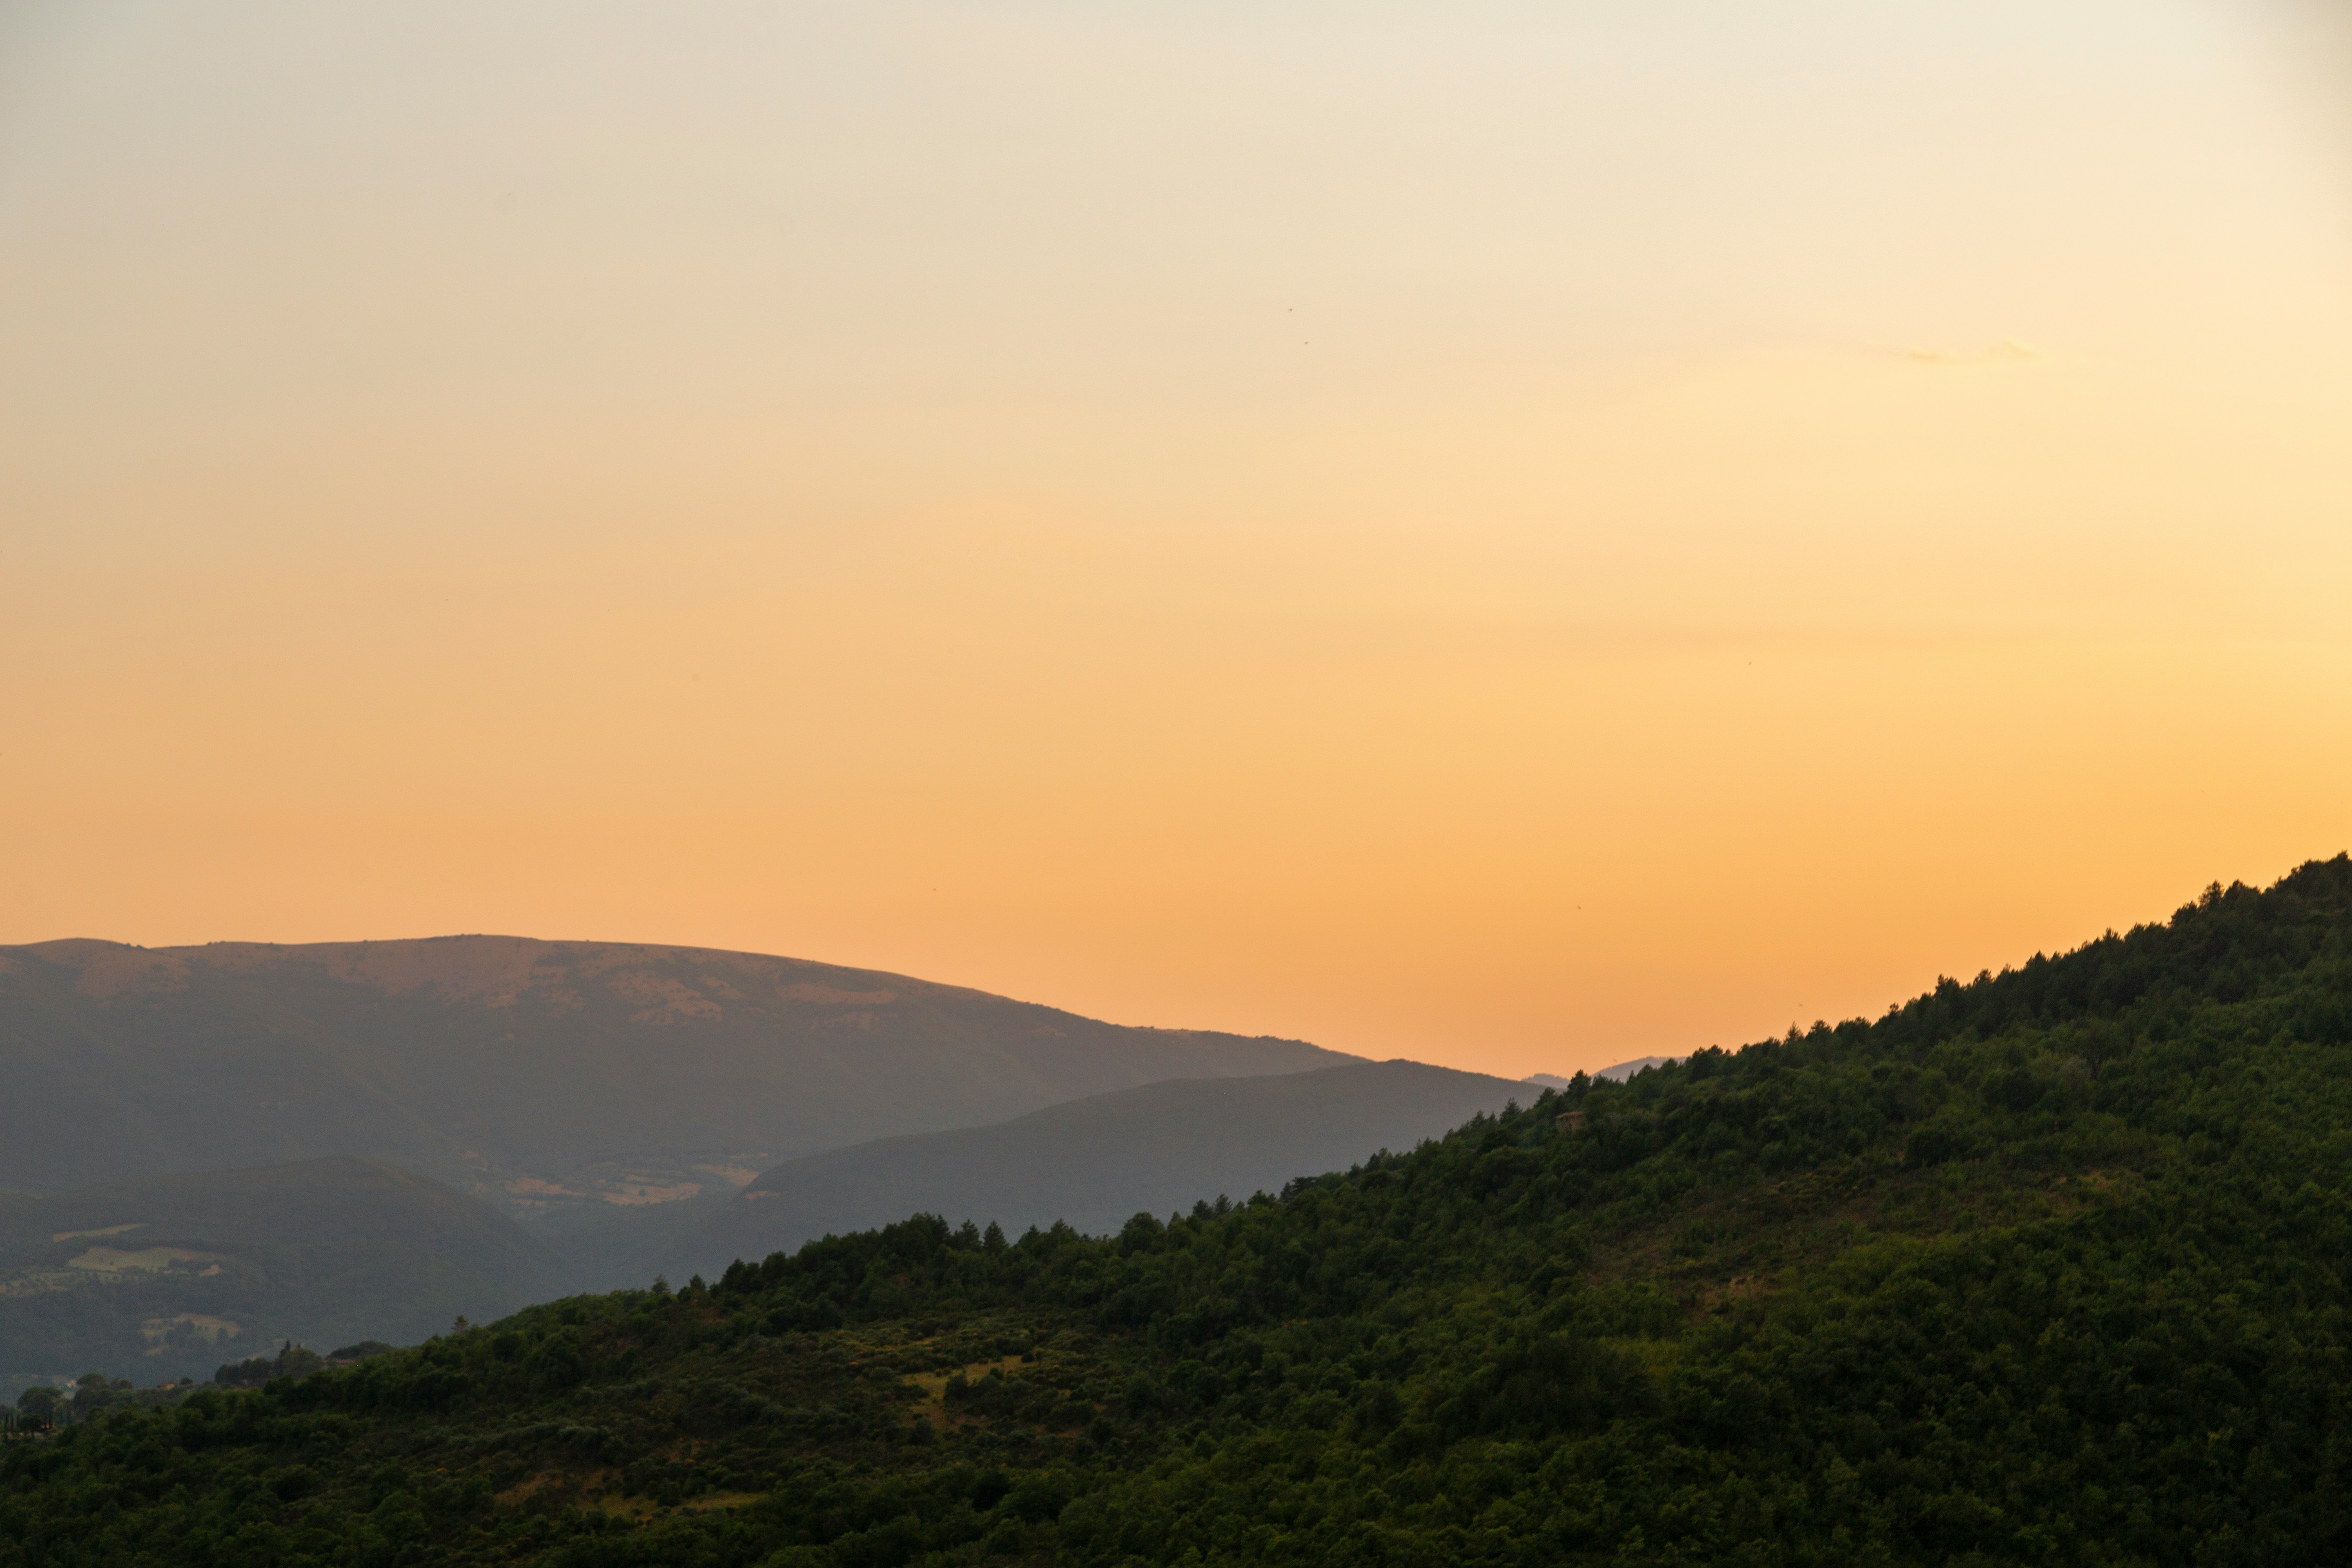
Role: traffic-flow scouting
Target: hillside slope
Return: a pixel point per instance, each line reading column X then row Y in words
column 169, row 1277
column 1095, row 1161
column 2051, row 1267
column 543, row 1077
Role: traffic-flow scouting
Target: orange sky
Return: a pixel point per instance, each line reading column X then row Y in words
column 1514, row 536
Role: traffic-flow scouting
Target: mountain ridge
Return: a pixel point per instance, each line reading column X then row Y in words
column 541, row 1076
column 1095, row 1162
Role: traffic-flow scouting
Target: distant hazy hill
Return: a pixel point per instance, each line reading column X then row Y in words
column 1621, row 1071
column 1617, row 1073
column 543, row 1075
column 1096, row 1161
column 170, row 1276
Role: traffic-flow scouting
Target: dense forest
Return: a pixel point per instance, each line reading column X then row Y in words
column 2049, row 1267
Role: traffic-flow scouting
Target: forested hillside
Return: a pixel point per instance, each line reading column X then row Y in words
column 2046, row 1268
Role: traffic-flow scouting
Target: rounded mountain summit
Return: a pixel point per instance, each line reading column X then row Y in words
column 537, row 1074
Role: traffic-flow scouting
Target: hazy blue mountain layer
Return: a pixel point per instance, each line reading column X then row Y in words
column 1095, row 1163
column 541, row 1076
column 161, row 1277
column 1616, row 1072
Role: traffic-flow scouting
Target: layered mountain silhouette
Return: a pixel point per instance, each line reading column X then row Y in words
column 1095, row 1163
column 566, row 1082
column 1617, row 1072
column 2044, row 1268
column 255, row 1113
column 166, row 1277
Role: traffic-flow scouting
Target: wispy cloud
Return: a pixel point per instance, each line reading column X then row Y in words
column 2009, row 351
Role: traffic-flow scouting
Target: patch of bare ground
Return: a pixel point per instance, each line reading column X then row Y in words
column 1734, row 1292
column 539, row 1483
column 934, row 1387
column 639, row 1510
column 1730, row 1246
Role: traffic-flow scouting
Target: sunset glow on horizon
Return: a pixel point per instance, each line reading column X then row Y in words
column 1516, row 537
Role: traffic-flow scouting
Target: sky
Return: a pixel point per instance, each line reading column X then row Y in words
column 1516, row 535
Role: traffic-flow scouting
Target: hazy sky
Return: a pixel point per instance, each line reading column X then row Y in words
column 1518, row 535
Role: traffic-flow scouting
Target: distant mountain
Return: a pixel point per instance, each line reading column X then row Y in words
column 1616, row 1074
column 165, row 1276
column 1625, row 1071
column 1097, row 1161
column 564, row 1082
